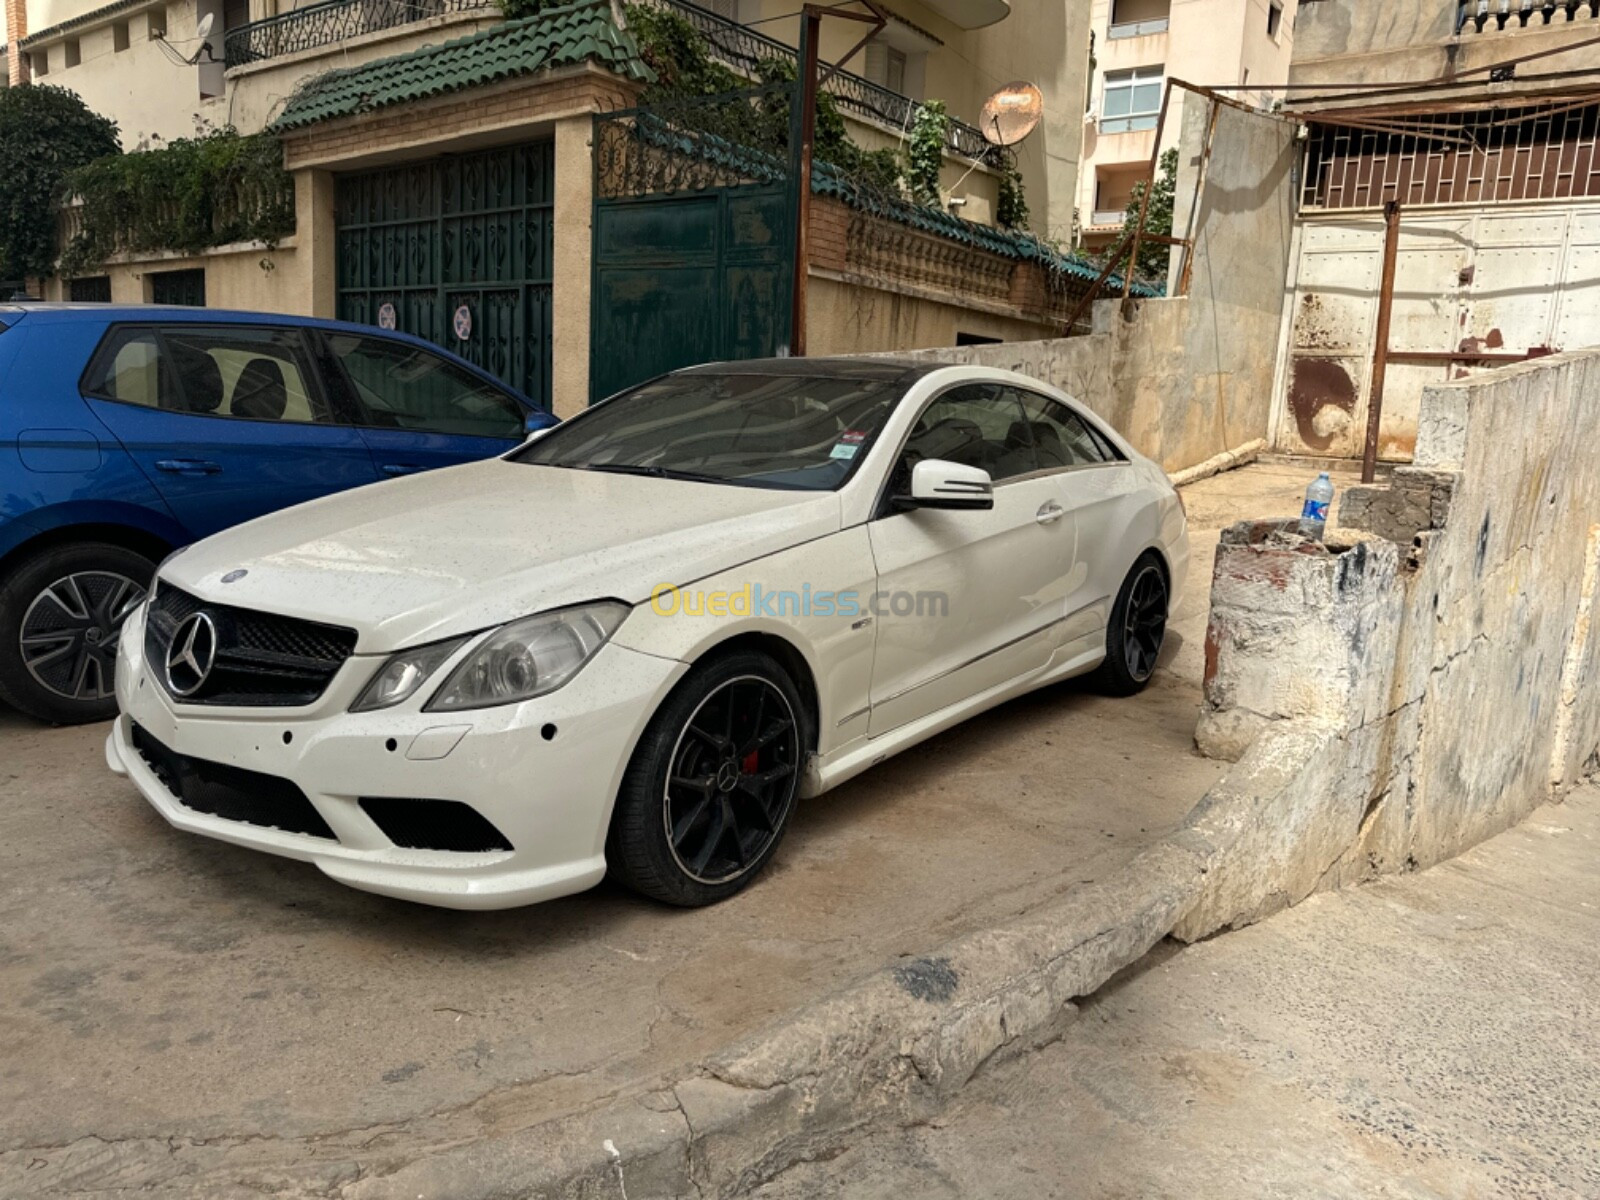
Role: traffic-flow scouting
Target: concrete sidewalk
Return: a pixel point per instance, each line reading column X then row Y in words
column 1431, row 1035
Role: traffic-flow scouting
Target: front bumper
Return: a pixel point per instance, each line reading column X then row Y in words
column 550, row 796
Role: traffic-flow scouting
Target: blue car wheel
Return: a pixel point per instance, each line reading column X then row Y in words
column 61, row 613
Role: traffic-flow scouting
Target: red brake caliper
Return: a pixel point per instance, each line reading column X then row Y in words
column 748, row 766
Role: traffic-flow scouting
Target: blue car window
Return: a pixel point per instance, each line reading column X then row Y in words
column 408, row 388
column 131, row 368
column 212, row 370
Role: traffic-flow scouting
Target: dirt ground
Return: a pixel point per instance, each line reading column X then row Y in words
column 173, row 1002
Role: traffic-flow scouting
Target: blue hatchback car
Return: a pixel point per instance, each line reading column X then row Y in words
column 126, row 432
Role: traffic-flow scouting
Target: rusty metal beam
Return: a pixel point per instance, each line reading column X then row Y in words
column 878, row 19
column 1105, row 273
column 1149, row 186
column 1380, row 349
column 810, row 30
column 1193, row 223
column 1446, row 357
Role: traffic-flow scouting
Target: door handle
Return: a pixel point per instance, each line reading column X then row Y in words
column 1049, row 511
column 400, row 468
column 188, row 466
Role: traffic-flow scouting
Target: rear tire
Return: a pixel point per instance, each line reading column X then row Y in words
column 61, row 612
column 1137, row 629
column 712, row 784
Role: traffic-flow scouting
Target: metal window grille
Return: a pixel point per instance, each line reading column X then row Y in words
column 1487, row 156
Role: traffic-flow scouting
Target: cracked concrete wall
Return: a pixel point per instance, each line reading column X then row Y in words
column 1187, row 378
column 1438, row 655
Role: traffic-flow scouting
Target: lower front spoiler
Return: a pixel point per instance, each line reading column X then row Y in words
column 426, row 877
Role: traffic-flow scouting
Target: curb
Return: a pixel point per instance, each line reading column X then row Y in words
column 893, row 1047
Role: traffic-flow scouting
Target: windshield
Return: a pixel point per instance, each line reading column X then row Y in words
column 778, row 431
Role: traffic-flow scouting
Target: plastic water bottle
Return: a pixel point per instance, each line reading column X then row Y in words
column 1314, row 516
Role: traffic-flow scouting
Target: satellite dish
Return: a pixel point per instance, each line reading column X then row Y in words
column 1011, row 114
column 203, row 30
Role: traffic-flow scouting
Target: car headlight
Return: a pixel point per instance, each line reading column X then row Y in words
column 403, row 673
column 530, row 657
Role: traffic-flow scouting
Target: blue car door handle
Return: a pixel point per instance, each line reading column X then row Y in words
column 188, row 466
column 400, row 468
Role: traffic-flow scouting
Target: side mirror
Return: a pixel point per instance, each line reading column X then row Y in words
column 936, row 483
column 535, row 425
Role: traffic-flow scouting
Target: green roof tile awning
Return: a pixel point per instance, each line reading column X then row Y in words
column 558, row 37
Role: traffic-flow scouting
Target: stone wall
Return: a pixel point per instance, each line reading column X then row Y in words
column 1190, row 377
column 1384, row 42
column 1430, row 670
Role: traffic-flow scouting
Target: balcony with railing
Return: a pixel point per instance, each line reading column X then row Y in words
column 744, row 50
column 1497, row 16
column 1138, row 18
column 330, row 23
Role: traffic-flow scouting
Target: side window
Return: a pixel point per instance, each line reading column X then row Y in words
column 208, row 370
column 129, row 367
column 253, row 374
column 977, row 426
column 1061, row 438
column 405, row 387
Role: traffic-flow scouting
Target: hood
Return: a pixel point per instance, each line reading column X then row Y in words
column 465, row 548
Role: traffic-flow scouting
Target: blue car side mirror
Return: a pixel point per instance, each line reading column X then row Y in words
column 535, row 421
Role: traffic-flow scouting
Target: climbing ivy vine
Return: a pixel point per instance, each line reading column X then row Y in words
column 194, row 193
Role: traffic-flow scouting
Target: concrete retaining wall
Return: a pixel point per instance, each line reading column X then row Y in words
column 1188, row 378
column 1439, row 648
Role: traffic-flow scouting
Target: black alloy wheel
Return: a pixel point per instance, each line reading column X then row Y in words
column 1144, row 623
column 732, row 778
column 710, row 789
column 1137, row 629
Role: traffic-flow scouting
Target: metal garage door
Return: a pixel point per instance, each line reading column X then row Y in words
column 472, row 231
column 1501, row 280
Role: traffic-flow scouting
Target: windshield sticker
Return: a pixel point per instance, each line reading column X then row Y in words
column 847, row 445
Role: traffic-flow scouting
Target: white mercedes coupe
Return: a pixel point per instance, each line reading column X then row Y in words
column 633, row 643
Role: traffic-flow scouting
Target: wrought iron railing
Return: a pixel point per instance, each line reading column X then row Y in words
column 1492, row 16
column 328, row 23
column 744, row 49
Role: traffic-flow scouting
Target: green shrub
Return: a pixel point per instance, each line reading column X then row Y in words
column 45, row 132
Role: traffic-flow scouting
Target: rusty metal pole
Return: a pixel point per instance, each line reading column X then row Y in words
column 810, row 28
column 1380, row 348
column 1149, row 186
column 1192, row 227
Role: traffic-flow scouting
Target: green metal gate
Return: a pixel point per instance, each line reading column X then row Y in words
column 472, row 231
column 692, row 245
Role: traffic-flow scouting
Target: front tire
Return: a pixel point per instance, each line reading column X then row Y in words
column 712, row 784
column 61, row 613
column 1137, row 629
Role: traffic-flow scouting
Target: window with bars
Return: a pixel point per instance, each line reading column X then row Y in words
column 1485, row 156
column 1131, row 100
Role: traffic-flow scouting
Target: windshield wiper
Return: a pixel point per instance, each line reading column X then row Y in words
column 652, row 472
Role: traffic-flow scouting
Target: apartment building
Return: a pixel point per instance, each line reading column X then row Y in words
column 1138, row 45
